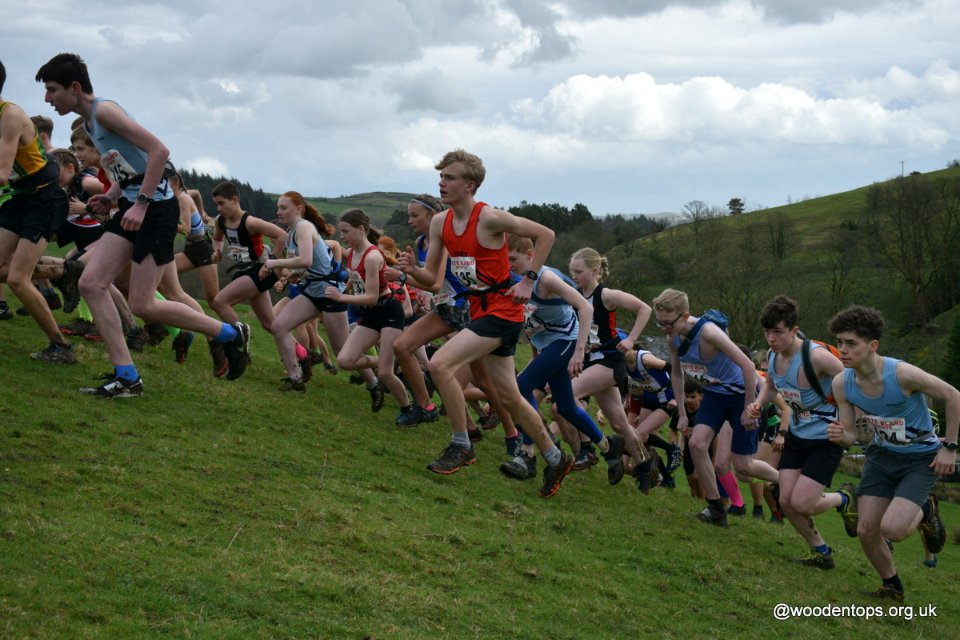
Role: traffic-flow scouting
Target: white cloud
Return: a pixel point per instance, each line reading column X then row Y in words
column 210, row 166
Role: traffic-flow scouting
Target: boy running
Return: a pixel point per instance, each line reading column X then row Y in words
column 474, row 235
column 142, row 230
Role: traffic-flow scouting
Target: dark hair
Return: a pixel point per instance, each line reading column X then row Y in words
column 357, row 218
column 226, row 190
column 324, row 228
column 65, row 69
column 865, row 322
column 780, row 309
column 65, row 157
column 692, row 386
column 3, row 76
column 43, row 124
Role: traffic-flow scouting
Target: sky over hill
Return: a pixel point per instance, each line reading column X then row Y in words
column 624, row 106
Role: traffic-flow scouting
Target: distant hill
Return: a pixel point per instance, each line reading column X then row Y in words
column 379, row 205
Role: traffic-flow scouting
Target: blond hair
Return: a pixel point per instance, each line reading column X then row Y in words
column 593, row 260
column 473, row 169
column 672, row 301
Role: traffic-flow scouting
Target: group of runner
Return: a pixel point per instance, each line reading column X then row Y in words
column 479, row 280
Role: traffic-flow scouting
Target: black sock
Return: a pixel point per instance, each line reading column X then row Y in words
column 653, row 440
column 893, row 582
column 716, row 505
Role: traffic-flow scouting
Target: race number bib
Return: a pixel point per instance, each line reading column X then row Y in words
column 531, row 324
column 240, row 255
column 119, row 168
column 644, row 381
column 445, row 295
column 892, row 430
column 794, row 401
column 698, row 373
column 465, row 269
column 356, row 283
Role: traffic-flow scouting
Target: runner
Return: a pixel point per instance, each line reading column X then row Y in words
column 474, row 235
column 33, row 210
column 136, row 160
column 809, row 459
column 702, row 350
column 905, row 457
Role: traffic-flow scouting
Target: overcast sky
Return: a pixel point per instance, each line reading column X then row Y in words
column 632, row 106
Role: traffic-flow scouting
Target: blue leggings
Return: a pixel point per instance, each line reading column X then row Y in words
column 550, row 367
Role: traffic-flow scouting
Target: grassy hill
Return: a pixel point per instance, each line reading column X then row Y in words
column 379, row 205
column 216, row 509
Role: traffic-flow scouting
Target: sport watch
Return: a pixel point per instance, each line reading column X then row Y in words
column 533, row 275
column 143, row 198
column 950, row 446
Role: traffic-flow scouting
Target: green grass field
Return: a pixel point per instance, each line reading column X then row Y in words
column 216, row 509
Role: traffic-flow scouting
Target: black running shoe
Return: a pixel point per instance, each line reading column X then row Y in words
column 181, row 346
column 5, row 312
column 56, row 353
column 818, row 560
column 219, row 356
column 674, row 458
column 156, row 333
column 136, row 338
column 306, row 368
column 452, row 459
column 237, row 351
column 886, row 593
column 614, row 458
column 641, row 474
column 849, row 512
column 522, row 467
column 932, row 530
column 554, row 474
column 712, row 516
column 115, row 387
column 377, row 396
column 289, row 384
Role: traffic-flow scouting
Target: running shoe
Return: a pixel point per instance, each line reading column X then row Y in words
column 849, row 512
column 712, row 516
column 355, row 378
column 452, row 459
column 68, row 284
column 584, row 460
column 93, row 336
column 475, row 435
column 522, row 467
column 377, row 397
column 5, row 312
column 115, row 387
column 237, row 351
column 22, row 311
column 887, row 592
column 78, row 327
column 641, row 474
column 136, row 338
column 330, row 368
column 737, row 511
column 52, row 299
column 306, row 368
column 156, row 333
column 669, row 482
column 181, row 346
column 415, row 414
column 554, row 474
column 674, row 458
column 758, row 513
column 614, row 458
column 219, row 356
column 930, row 563
column 290, row 384
column 489, row 420
column 932, row 530
column 56, row 353
column 818, row 560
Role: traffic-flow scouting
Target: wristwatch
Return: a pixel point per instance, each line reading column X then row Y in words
column 533, row 275
column 143, row 198
column 403, row 278
column 950, row 446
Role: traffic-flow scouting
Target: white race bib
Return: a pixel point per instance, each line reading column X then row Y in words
column 465, row 270
column 893, row 430
column 359, row 286
column 795, row 402
column 120, row 169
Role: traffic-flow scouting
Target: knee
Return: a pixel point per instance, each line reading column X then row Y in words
column 742, row 465
column 142, row 308
column 439, row 370
column 895, row 533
